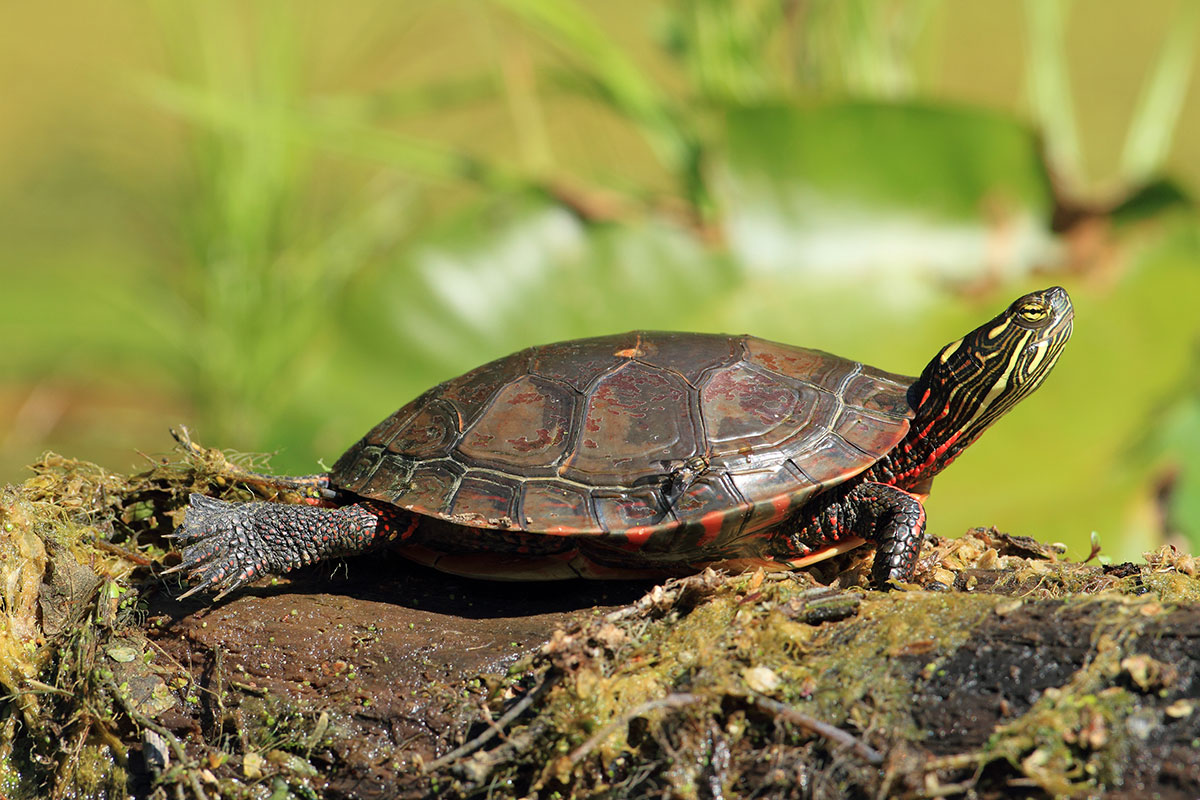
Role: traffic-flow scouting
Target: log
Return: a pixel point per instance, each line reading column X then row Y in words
column 1005, row 671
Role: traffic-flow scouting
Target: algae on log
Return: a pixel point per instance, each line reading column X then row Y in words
column 1024, row 674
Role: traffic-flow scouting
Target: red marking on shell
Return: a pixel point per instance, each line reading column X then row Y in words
column 629, row 352
column 523, row 445
column 524, row 398
column 527, row 427
column 712, row 523
column 638, row 417
column 738, row 395
column 782, row 506
column 638, row 535
column 811, row 366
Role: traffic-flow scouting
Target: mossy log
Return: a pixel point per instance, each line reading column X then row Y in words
column 1021, row 675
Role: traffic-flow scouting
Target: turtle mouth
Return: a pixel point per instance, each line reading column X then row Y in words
column 1065, row 325
column 1063, row 310
column 1060, row 301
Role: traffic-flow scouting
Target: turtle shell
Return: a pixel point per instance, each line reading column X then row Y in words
column 658, row 441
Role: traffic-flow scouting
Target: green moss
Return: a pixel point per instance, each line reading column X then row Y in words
column 1171, row 587
column 676, row 682
column 668, row 691
column 95, row 772
column 871, row 662
column 70, row 541
column 273, row 722
column 857, row 674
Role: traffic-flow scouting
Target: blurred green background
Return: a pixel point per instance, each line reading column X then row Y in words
column 276, row 222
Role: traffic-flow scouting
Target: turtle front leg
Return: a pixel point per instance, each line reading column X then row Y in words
column 896, row 521
column 228, row 545
column 878, row 512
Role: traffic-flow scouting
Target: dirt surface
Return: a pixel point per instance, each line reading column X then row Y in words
column 400, row 654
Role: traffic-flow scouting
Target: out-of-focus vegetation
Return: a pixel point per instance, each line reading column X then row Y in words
column 278, row 223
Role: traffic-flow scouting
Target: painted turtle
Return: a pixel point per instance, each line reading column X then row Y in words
column 648, row 454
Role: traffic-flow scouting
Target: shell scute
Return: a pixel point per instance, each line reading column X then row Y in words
column 809, row 366
column 628, row 509
column 879, row 393
column 470, row 394
column 748, row 413
column 554, row 506
column 636, row 416
column 484, row 501
column 526, row 426
column 875, row 437
column 430, row 488
column 577, row 363
column 430, row 433
column 682, row 354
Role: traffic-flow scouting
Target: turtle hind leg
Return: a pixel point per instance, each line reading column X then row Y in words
column 227, row 545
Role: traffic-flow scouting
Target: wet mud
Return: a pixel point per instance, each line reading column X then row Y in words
column 400, row 655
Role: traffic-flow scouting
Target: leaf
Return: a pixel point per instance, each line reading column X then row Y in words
column 122, row 652
column 1153, row 200
column 518, row 271
column 1156, row 118
column 868, row 186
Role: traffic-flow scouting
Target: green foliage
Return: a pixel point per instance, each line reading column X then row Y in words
column 1154, row 120
column 1173, row 446
column 808, row 184
column 340, row 240
column 1049, row 85
column 1157, row 116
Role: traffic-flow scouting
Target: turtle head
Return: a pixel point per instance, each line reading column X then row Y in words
column 973, row 381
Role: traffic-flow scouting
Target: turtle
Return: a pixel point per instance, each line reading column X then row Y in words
column 647, row 454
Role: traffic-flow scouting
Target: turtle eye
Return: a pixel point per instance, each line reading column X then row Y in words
column 1033, row 311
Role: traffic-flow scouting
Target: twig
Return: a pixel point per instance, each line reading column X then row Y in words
column 116, row 550
column 478, row 767
column 142, row 720
column 311, row 486
column 519, row 708
column 823, row 729
column 677, row 700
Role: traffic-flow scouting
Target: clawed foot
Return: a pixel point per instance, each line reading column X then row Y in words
column 227, row 545
column 221, row 551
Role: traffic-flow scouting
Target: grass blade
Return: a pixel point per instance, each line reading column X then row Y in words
column 1050, row 87
column 1157, row 114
